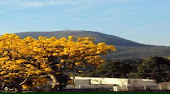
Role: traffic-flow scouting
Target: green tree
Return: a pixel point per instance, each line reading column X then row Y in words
column 155, row 68
column 115, row 69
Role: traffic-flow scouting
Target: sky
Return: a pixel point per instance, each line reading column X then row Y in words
column 143, row 21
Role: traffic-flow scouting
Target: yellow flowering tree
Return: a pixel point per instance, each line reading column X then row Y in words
column 25, row 60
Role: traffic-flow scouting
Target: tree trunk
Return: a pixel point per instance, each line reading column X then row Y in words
column 54, row 80
column 19, row 88
column 23, row 82
column 2, row 86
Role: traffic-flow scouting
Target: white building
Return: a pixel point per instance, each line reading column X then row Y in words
column 164, row 86
column 115, row 84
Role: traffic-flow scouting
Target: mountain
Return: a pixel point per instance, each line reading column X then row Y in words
column 99, row 37
column 125, row 48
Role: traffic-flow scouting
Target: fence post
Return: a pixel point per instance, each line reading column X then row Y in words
column 79, row 86
column 144, row 87
column 160, row 87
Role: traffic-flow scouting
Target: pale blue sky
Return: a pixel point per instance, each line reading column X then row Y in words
column 143, row 21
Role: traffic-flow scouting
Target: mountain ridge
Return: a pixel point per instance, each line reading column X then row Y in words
column 125, row 48
column 100, row 37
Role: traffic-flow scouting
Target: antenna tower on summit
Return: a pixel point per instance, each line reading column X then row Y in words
column 67, row 28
